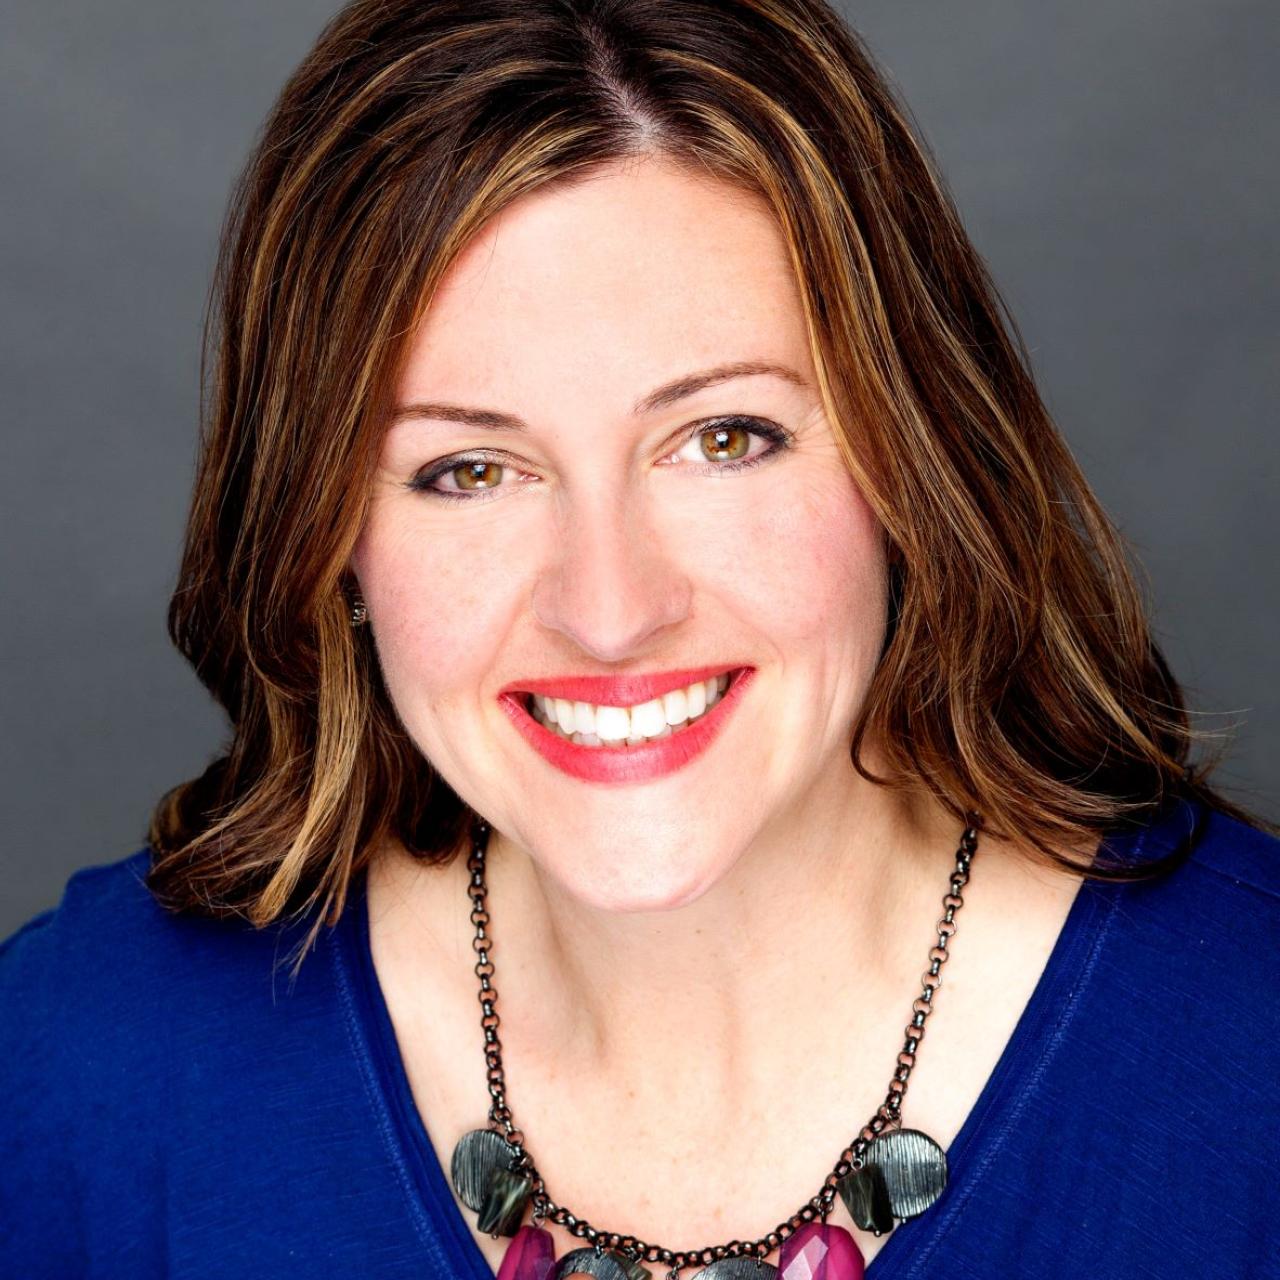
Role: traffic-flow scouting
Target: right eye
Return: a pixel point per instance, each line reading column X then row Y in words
column 472, row 474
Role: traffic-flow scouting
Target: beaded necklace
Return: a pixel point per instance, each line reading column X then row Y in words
column 886, row 1173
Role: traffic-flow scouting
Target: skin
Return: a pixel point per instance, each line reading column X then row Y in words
column 675, row 956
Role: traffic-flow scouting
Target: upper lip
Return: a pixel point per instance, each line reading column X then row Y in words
column 617, row 691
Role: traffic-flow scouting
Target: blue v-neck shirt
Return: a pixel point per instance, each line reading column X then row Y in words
column 171, row 1106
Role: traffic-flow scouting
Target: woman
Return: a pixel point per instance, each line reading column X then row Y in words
column 627, row 537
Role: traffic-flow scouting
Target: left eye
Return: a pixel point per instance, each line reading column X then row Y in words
column 726, row 440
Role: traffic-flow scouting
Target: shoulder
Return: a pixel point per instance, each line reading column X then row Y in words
column 97, row 990
column 101, row 924
column 93, row 899
column 1141, row 1087
column 142, row 1049
column 109, row 936
column 1244, row 860
column 1196, row 947
column 1229, row 881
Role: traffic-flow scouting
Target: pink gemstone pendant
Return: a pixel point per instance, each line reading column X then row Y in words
column 531, row 1255
column 820, row 1252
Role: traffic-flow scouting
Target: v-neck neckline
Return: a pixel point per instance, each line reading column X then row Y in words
column 1002, row 1101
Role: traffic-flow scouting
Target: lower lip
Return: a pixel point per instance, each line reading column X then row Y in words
column 640, row 763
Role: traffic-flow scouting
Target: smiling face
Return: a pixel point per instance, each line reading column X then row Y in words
column 595, row 534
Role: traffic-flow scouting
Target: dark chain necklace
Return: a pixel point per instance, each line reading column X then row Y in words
column 880, row 1175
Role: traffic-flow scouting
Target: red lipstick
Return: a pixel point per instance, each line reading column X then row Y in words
column 615, row 691
column 647, row 760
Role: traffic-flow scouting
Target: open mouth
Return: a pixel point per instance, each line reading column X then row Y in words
column 615, row 728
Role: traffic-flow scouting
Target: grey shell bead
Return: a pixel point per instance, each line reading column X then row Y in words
column 610, row 1266
column 739, row 1268
column 476, row 1156
column 505, row 1203
column 914, row 1169
column 867, row 1198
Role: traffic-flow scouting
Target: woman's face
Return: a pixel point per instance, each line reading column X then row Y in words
column 606, row 537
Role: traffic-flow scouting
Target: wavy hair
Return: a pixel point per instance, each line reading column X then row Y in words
column 1019, row 676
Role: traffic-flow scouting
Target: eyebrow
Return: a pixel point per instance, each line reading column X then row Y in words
column 663, row 396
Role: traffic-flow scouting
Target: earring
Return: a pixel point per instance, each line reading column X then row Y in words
column 359, row 611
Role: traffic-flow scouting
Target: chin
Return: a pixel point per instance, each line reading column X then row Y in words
column 639, row 887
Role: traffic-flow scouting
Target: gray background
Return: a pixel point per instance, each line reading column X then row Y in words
column 1114, row 161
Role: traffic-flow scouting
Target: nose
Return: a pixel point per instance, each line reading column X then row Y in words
column 611, row 583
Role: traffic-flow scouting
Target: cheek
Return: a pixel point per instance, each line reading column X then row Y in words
column 437, row 613
column 817, row 563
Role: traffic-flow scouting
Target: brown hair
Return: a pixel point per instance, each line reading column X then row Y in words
column 1019, row 676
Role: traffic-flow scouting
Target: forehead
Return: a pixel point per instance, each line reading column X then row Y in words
column 607, row 286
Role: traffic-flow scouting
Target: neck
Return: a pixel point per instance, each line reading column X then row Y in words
column 842, row 898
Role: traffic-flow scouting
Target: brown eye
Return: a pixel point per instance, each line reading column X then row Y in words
column 477, row 474
column 725, row 442
column 469, row 478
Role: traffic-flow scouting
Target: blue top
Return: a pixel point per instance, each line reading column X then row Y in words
column 169, row 1107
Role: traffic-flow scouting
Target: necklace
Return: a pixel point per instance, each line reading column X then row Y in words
column 887, row 1172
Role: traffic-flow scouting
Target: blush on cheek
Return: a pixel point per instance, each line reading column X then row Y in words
column 434, row 613
column 438, row 623
column 816, row 557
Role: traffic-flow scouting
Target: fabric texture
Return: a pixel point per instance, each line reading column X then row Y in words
column 170, row 1105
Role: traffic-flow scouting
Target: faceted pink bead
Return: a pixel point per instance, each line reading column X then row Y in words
column 531, row 1255
column 820, row 1252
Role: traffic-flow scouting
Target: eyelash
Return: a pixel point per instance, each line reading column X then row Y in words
column 776, row 435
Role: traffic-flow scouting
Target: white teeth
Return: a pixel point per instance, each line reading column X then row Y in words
column 696, row 696
column 648, row 719
column 613, row 724
column 591, row 725
column 675, row 707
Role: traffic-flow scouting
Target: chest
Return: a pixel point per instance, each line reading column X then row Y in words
column 664, row 1172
